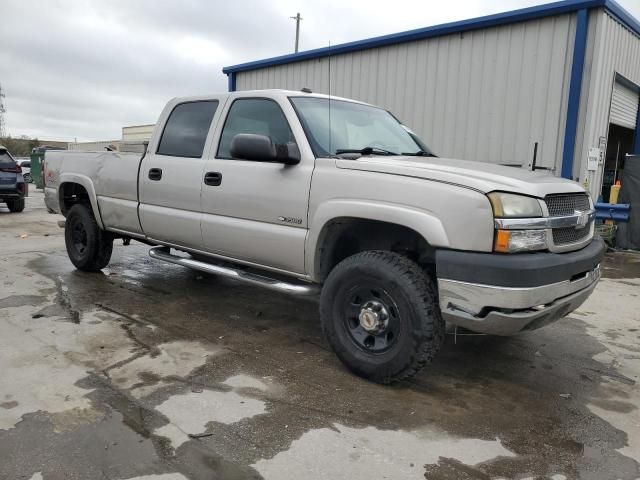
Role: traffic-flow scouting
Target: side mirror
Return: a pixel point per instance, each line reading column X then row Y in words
column 260, row 148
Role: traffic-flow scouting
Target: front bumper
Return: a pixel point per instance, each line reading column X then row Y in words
column 525, row 291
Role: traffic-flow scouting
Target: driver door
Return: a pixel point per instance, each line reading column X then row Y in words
column 256, row 212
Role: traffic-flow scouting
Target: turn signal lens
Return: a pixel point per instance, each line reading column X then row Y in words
column 511, row 241
column 502, row 241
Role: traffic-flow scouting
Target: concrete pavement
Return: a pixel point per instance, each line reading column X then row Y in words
column 151, row 371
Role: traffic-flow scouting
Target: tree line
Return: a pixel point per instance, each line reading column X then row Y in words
column 19, row 146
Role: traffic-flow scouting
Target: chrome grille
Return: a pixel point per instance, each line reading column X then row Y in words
column 566, row 204
column 564, row 236
column 562, row 205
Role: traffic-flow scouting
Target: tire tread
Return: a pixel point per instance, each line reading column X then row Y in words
column 430, row 336
column 104, row 241
column 16, row 206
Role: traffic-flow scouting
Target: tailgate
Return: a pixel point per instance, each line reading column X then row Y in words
column 8, row 180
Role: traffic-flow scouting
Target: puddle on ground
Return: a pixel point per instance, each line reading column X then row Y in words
column 190, row 413
column 41, row 371
column 619, row 400
column 163, row 476
column 169, row 359
column 245, row 381
column 21, row 300
column 372, row 454
column 312, row 404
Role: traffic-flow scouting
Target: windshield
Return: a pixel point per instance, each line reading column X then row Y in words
column 354, row 127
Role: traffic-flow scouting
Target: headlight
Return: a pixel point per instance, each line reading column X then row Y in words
column 512, row 241
column 510, row 205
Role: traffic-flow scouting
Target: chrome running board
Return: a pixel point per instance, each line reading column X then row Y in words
column 299, row 289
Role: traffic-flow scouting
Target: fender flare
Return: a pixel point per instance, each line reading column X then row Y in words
column 87, row 183
column 422, row 222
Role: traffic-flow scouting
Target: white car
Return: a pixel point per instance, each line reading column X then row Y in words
column 26, row 170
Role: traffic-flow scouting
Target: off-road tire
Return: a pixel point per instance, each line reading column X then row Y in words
column 412, row 293
column 15, row 206
column 89, row 247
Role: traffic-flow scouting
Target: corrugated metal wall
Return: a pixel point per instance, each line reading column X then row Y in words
column 613, row 49
column 484, row 95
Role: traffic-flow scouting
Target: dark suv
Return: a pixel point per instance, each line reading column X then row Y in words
column 13, row 188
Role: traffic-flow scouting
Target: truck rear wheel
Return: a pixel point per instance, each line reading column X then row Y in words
column 89, row 248
column 380, row 314
column 15, row 206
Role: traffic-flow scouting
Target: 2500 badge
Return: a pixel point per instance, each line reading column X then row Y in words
column 297, row 221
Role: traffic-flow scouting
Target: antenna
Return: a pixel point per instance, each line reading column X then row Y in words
column 297, row 18
column 330, row 144
column 2, row 112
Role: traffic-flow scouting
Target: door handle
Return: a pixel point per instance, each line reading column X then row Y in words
column 155, row 174
column 213, row 178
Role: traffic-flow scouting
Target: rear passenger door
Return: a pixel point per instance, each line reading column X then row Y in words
column 170, row 177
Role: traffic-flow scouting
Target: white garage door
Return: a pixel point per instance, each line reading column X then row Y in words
column 624, row 106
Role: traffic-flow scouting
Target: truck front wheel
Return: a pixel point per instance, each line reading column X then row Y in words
column 380, row 315
column 89, row 248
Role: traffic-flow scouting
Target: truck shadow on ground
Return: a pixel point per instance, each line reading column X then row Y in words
column 530, row 391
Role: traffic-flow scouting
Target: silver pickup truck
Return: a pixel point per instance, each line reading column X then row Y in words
column 336, row 199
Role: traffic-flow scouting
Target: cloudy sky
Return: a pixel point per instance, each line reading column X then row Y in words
column 83, row 69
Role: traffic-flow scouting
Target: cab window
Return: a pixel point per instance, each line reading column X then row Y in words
column 259, row 116
column 185, row 132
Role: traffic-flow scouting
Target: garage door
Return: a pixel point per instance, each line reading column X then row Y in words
column 624, row 106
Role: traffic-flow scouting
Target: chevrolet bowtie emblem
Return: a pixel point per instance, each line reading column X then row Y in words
column 583, row 219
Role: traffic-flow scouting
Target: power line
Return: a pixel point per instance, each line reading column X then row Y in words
column 297, row 18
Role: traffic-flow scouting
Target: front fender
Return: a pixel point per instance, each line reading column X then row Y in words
column 87, row 183
column 421, row 221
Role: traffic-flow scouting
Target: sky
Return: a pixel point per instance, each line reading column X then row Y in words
column 83, row 69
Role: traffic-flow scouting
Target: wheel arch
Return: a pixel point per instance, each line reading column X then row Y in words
column 74, row 189
column 341, row 229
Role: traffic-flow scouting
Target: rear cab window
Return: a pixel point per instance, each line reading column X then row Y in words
column 185, row 132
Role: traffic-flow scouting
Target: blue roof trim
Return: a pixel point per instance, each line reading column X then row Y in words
column 623, row 16
column 531, row 13
column 575, row 91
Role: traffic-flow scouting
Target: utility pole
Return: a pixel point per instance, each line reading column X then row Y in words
column 297, row 18
column 2, row 112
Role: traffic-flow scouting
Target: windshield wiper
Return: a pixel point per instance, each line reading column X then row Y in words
column 365, row 151
column 420, row 153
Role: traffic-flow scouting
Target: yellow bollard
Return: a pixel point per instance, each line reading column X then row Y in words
column 615, row 191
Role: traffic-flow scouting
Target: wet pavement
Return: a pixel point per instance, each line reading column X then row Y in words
column 151, row 371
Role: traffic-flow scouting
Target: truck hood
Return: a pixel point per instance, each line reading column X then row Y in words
column 484, row 177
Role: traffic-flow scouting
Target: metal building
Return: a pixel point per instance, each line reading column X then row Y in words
column 562, row 79
column 137, row 132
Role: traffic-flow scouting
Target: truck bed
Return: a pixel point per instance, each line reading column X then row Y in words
column 113, row 176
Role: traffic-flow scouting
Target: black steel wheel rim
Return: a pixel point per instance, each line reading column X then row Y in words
column 370, row 297
column 79, row 237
